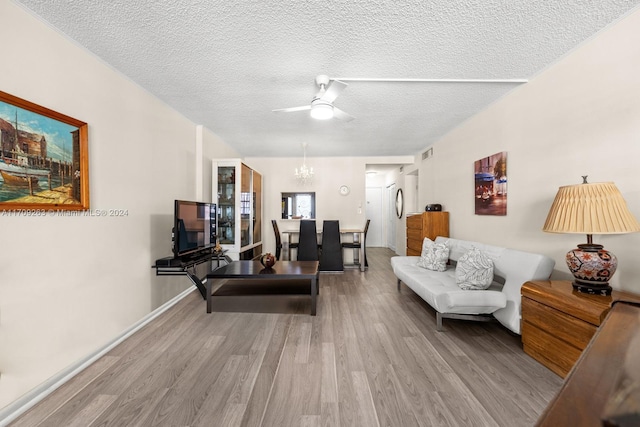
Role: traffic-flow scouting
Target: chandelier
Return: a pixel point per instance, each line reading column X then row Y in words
column 304, row 174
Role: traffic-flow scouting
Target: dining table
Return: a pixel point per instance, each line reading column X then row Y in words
column 357, row 233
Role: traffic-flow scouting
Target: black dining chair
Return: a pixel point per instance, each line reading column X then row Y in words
column 308, row 241
column 292, row 245
column 361, row 244
column 331, row 254
column 276, row 230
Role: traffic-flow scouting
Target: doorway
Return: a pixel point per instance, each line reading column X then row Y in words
column 373, row 212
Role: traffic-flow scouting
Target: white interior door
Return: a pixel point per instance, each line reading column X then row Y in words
column 391, row 217
column 373, row 212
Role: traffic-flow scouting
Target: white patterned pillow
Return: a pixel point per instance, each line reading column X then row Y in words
column 434, row 255
column 474, row 270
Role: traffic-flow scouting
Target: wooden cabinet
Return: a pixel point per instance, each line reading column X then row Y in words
column 425, row 224
column 559, row 322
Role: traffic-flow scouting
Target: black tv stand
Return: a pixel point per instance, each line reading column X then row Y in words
column 185, row 266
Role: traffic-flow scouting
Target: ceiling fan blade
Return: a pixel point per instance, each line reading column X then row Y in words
column 333, row 90
column 339, row 114
column 288, row 110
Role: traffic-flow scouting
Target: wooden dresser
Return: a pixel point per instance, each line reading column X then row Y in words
column 558, row 322
column 425, row 224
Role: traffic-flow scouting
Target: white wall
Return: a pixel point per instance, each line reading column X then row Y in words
column 70, row 284
column 579, row 117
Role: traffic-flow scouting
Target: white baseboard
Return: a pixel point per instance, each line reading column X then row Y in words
column 24, row 403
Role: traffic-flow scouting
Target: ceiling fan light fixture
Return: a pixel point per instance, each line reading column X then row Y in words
column 322, row 111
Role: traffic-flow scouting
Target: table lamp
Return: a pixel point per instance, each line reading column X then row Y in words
column 590, row 209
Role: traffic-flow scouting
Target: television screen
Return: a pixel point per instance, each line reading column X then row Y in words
column 194, row 227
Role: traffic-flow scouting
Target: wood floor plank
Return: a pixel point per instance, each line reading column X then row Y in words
column 469, row 410
column 263, row 384
column 390, row 406
column 329, row 415
column 372, row 356
column 243, row 388
column 495, row 383
column 213, row 405
column 310, row 421
column 66, row 392
column 180, row 405
column 329, row 385
column 296, row 382
column 303, row 342
column 366, row 414
column 131, row 411
column 348, row 360
column 93, row 410
column 233, row 413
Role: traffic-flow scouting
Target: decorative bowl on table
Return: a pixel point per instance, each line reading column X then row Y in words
column 268, row 260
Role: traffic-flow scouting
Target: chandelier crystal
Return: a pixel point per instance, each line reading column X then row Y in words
column 304, row 174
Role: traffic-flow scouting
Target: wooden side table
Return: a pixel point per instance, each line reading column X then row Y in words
column 558, row 322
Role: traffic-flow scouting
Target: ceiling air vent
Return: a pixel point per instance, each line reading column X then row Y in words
column 427, row 154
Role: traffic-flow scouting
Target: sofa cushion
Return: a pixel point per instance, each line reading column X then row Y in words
column 434, row 255
column 474, row 270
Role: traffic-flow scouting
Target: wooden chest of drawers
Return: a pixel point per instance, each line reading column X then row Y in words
column 426, row 224
column 558, row 322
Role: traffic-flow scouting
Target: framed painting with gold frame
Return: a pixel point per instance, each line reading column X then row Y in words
column 44, row 162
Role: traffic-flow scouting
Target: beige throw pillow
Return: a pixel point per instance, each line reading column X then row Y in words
column 474, row 270
column 434, row 255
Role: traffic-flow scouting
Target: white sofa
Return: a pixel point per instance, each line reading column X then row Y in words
column 512, row 268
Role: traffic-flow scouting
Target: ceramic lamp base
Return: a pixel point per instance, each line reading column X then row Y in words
column 592, row 268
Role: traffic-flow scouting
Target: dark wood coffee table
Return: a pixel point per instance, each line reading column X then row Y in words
column 254, row 270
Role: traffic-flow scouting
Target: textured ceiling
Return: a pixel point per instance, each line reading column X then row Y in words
column 228, row 64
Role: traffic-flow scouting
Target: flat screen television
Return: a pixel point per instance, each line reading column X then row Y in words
column 194, row 227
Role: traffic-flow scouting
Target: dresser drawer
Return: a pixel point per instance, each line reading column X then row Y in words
column 415, row 245
column 572, row 330
column 415, row 234
column 414, row 221
column 552, row 352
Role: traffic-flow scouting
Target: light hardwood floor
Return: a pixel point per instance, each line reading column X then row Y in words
column 371, row 357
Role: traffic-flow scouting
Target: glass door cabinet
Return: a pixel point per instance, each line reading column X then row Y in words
column 238, row 191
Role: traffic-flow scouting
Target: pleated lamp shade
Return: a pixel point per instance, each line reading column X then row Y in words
column 589, row 209
column 597, row 208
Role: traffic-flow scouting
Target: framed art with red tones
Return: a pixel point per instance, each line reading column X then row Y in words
column 490, row 180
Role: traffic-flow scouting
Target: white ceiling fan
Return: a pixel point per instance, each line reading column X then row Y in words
column 321, row 106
